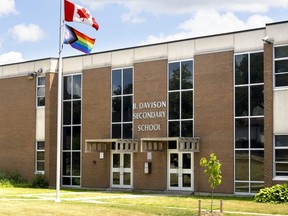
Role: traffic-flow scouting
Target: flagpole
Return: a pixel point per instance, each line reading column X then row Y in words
column 59, row 107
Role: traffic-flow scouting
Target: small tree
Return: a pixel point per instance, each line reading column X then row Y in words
column 213, row 170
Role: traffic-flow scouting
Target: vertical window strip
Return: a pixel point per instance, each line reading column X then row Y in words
column 40, row 91
column 253, row 181
column 40, row 157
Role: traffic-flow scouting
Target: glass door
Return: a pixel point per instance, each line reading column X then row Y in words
column 180, row 171
column 121, row 172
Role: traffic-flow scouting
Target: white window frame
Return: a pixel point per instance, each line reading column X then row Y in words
column 36, row 160
column 275, row 177
column 274, row 74
column 40, row 86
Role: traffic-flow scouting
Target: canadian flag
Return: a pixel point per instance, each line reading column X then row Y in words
column 77, row 13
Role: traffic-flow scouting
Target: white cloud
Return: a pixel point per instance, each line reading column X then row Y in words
column 215, row 23
column 30, row 32
column 11, row 57
column 7, row 7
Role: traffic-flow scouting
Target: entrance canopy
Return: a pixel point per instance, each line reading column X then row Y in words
column 102, row 145
column 183, row 143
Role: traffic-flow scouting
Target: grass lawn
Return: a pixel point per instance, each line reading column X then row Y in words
column 27, row 201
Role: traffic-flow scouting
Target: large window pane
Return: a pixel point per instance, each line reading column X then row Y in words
column 116, row 109
column 116, row 131
column 281, row 52
column 256, row 67
column 66, row 163
column 241, row 133
column 76, row 163
column 174, row 76
column 174, row 129
column 281, row 141
column 187, row 75
column 116, row 82
column 187, row 105
column 187, row 128
column 76, row 138
column 241, row 101
column 257, row 132
column 281, row 155
column 127, row 108
column 241, row 69
column 127, row 131
column 67, row 87
column 257, row 100
column 76, row 112
column 242, row 187
column 281, row 80
column 66, row 138
column 281, row 66
column 242, row 165
column 174, row 106
column 66, row 113
column 127, row 81
column 76, row 86
column 257, row 165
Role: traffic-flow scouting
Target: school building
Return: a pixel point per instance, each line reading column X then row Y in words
column 141, row 118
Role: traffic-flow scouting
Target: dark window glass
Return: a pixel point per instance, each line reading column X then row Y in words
column 281, row 169
column 76, row 138
column 241, row 133
column 255, row 187
column 66, row 113
column 242, row 165
column 77, row 112
column 257, row 165
column 241, row 69
column 76, row 163
column 257, row 132
column 187, row 74
column 116, row 109
column 281, row 66
column 66, row 181
column 257, row 100
column 242, row 187
column 40, row 155
column 187, row 129
column 281, row 141
column 174, row 76
column 174, row 111
column 127, row 108
column 76, row 86
column 172, row 145
column 241, row 101
column 41, row 101
column 116, row 131
column 281, row 52
column 127, row 131
column 116, row 82
column 127, row 81
column 66, row 138
column 67, row 87
column 186, row 161
column 281, row 80
column 174, row 127
column 76, row 181
column 66, row 163
column 256, row 67
column 281, row 155
column 41, row 81
column 187, row 104
column 40, row 145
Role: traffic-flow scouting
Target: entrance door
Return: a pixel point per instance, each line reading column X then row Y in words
column 121, row 172
column 180, row 171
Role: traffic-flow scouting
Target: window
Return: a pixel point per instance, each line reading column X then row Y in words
column 71, row 146
column 40, row 91
column 281, row 66
column 281, row 156
column 122, row 102
column 180, row 91
column 249, row 122
column 40, row 157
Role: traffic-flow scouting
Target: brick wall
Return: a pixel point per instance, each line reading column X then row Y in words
column 96, row 108
column 213, row 116
column 51, row 98
column 17, row 125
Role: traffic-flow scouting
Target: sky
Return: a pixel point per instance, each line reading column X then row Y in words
column 30, row 28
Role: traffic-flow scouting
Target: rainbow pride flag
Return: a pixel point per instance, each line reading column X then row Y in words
column 78, row 40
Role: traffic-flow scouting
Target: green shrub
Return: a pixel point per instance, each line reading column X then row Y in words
column 40, row 181
column 275, row 194
column 12, row 179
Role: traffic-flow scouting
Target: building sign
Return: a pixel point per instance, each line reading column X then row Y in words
column 140, row 112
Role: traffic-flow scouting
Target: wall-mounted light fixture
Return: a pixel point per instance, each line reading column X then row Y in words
column 268, row 40
column 31, row 76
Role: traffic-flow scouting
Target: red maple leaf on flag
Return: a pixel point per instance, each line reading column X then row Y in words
column 95, row 24
column 83, row 13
